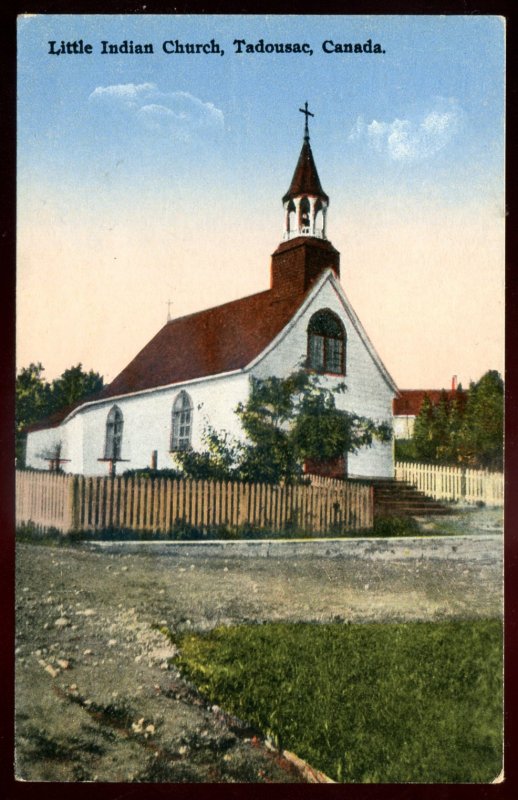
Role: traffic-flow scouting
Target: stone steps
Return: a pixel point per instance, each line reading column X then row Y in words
column 398, row 498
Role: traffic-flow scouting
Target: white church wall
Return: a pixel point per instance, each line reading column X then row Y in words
column 72, row 449
column 64, row 439
column 147, row 424
column 367, row 394
column 40, row 446
column 376, row 461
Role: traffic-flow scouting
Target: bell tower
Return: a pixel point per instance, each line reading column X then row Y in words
column 305, row 203
column 305, row 251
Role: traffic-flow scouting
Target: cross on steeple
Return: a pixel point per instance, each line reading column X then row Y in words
column 169, row 304
column 307, row 114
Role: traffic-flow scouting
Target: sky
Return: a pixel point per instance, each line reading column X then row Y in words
column 156, row 177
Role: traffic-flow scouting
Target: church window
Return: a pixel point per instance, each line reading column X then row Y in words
column 182, row 422
column 113, row 441
column 326, row 343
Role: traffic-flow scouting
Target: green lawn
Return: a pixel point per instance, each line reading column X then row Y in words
column 416, row 702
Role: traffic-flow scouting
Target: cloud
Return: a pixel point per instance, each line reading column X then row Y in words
column 178, row 113
column 128, row 92
column 406, row 140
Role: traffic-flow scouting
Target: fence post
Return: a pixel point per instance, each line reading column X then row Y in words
column 72, row 506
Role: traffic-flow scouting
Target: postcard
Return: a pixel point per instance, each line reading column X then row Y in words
column 260, row 362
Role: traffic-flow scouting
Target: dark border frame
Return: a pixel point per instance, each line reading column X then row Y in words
column 12, row 789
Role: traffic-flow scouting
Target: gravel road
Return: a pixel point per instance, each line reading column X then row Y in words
column 97, row 696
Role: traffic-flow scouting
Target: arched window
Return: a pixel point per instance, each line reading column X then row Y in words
column 113, row 441
column 304, row 213
column 326, row 343
column 319, row 218
column 292, row 217
column 181, row 422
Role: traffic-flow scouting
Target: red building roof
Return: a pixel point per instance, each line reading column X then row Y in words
column 410, row 401
column 210, row 342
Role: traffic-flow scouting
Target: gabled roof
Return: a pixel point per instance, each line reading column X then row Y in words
column 305, row 178
column 210, row 342
column 410, row 401
column 328, row 275
column 362, row 333
column 55, row 419
column 216, row 341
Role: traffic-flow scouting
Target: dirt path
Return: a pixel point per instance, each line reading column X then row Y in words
column 98, row 699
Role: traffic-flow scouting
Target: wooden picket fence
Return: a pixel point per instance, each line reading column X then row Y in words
column 44, row 499
column 324, row 482
column 453, row 483
column 160, row 505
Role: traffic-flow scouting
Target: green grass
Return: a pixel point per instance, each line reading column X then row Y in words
column 382, row 703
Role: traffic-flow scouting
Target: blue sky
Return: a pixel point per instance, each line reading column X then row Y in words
column 142, row 174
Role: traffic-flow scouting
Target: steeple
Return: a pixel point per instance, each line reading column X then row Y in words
column 305, row 251
column 305, row 203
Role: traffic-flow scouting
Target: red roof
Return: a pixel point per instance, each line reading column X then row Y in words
column 410, row 401
column 55, row 419
column 305, row 178
column 210, row 342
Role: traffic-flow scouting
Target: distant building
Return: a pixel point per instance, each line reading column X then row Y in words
column 409, row 402
column 198, row 368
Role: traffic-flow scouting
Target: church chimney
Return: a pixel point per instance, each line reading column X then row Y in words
column 305, row 251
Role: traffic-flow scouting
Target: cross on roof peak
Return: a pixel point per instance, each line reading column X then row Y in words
column 307, row 114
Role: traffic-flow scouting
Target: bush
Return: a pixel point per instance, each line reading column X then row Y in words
column 404, row 450
column 183, row 531
column 147, row 472
column 28, row 532
column 395, row 526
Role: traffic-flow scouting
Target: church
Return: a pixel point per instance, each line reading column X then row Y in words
column 198, row 367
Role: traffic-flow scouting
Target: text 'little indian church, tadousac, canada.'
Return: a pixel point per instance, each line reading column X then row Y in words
column 197, row 368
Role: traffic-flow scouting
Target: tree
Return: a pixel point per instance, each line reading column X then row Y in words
column 286, row 421
column 423, row 435
column 267, row 417
column 37, row 399
column 219, row 461
column 33, row 402
column 441, row 428
column 73, row 385
column 455, row 419
column 466, row 429
column 482, row 430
